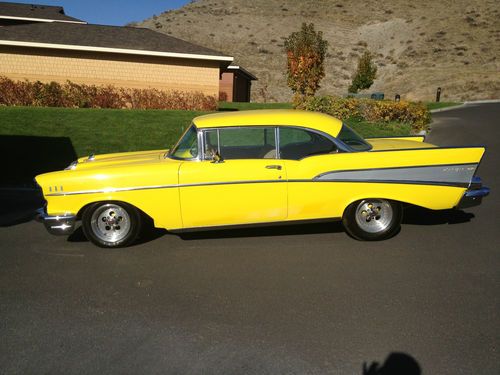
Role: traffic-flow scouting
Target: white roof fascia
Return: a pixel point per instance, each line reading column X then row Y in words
column 237, row 67
column 38, row 19
column 116, row 50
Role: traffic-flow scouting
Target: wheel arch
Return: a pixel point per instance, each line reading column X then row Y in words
column 432, row 197
column 143, row 214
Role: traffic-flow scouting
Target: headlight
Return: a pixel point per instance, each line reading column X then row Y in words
column 71, row 166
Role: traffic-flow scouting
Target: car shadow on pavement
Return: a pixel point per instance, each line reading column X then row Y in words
column 422, row 216
column 395, row 364
column 25, row 157
column 18, row 205
column 28, row 156
column 265, row 231
column 148, row 235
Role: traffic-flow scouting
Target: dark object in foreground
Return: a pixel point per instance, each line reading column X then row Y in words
column 395, row 364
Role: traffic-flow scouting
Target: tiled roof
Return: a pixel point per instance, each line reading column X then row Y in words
column 35, row 11
column 73, row 36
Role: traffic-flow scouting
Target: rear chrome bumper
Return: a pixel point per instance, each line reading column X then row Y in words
column 58, row 225
column 474, row 195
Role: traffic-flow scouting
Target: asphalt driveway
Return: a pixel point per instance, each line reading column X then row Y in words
column 286, row 300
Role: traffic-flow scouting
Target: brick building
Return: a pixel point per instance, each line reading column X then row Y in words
column 42, row 43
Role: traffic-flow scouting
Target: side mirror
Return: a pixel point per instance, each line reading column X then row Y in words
column 216, row 158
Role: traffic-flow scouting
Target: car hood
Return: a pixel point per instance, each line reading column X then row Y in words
column 397, row 144
column 119, row 159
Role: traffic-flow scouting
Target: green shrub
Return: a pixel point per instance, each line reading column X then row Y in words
column 365, row 74
column 69, row 94
column 415, row 114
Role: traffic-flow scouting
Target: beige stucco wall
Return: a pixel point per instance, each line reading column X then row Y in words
column 110, row 69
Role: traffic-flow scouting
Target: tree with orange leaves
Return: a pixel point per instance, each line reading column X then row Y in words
column 305, row 50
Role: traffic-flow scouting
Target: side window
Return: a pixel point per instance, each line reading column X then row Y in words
column 296, row 144
column 241, row 143
column 187, row 147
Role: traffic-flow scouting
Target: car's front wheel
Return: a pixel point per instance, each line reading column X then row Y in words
column 373, row 219
column 111, row 224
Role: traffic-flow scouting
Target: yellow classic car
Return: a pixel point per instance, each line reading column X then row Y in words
column 257, row 167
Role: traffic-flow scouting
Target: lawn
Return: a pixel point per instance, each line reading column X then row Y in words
column 371, row 129
column 115, row 130
column 98, row 130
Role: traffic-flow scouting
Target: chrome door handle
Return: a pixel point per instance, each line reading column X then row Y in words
column 274, row 166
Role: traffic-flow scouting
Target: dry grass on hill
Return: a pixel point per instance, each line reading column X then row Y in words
column 418, row 46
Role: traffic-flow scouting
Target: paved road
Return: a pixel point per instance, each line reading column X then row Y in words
column 292, row 300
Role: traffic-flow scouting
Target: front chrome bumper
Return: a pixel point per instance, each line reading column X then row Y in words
column 58, row 225
column 474, row 195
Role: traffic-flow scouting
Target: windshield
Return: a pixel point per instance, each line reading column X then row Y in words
column 352, row 139
column 187, row 147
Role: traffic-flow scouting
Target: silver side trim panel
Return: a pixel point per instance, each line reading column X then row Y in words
column 449, row 175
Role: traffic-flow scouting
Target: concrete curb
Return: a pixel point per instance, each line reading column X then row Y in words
column 448, row 108
column 465, row 104
column 483, row 101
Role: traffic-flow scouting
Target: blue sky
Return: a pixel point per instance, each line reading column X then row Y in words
column 111, row 12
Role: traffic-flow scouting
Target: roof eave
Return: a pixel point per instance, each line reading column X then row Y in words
column 117, row 50
column 243, row 70
column 39, row 19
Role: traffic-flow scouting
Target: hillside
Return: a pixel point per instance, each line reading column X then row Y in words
column 419, row 46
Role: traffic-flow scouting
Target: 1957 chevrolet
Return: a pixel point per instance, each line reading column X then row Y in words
column 256, row 167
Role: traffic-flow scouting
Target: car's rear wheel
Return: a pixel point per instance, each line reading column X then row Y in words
column 111, row 224
column 373, row 219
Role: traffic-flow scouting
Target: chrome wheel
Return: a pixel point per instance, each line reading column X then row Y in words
column 374, row 215
column 110, row 223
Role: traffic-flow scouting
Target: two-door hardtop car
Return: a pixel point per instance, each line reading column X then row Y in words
column 256, row 167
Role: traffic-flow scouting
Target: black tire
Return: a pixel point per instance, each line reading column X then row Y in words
column 373, row 219
column 111, row 224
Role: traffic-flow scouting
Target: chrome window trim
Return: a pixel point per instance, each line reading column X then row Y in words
column 203, row 135
column 206, row 130
column 341, row 147
column 277, row 142
column 218, row 141
column 349, row 148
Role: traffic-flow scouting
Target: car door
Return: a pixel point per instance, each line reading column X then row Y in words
column 247, row 185
column 305, row 154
